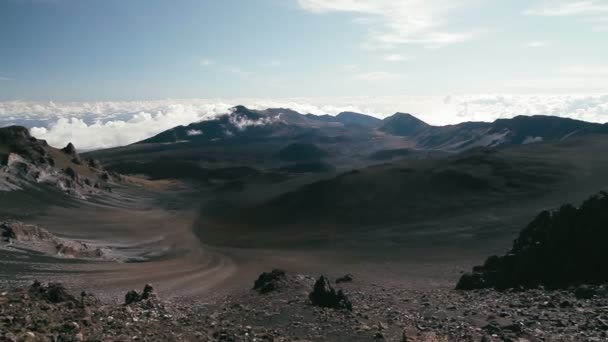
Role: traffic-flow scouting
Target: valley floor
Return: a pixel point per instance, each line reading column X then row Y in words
column 404, row 279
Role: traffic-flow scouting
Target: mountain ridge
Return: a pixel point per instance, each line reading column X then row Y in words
column 243, row 124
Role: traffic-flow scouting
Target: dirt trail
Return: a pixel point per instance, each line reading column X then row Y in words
column 146, row 228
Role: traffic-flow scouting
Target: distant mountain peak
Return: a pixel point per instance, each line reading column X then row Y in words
column 401, row 115
column 245, row 112
column 403, row 124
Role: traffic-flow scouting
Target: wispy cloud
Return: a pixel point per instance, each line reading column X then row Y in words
column 376, row 76
column 560, row 8
column 399, row 22
column 592, row 12
column 5, row 78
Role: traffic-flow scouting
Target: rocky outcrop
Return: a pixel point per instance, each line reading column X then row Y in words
column 324, row 295
column 32, row 237
column 70, row 150
column 17, row 139
column 270, row 281
column 52, row 292
column 27, row 162
column 556, row 249
column 134, row 297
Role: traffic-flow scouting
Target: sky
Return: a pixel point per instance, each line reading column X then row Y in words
column 68, row 65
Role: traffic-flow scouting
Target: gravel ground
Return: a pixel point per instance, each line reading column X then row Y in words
column 285, row 313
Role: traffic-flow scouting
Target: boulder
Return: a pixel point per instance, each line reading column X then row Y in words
column 134, row 297
column 270, row 281
column 324, row 295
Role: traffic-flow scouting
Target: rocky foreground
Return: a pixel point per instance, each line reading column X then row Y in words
column 284, row 307
column 537, row 292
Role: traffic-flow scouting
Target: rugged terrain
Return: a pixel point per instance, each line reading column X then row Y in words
column 200, row 211
column 379, row 312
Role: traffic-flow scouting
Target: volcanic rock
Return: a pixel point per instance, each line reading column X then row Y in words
column 52, row 292
column 324, row 295
column 347, row 278
column 268, row 282
column 36, row 238
column 70, row 149
column 134, row 297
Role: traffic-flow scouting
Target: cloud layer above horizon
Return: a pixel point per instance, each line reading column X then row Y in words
column 95, row 125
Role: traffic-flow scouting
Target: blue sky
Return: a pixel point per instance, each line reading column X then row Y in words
column 109, row 50
column 104, row 73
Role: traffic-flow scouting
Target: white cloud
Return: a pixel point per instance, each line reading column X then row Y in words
column 395, row 58
column 425, row 22
column 5, row 78
column 92, row 125
column 538, row 44
column 241, row 122
column 193, row 132
column 376, row 76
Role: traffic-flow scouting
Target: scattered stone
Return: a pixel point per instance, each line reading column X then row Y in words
column 347, row 278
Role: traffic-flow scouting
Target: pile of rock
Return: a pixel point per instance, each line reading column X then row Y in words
column 48, row 312
column 557, row 249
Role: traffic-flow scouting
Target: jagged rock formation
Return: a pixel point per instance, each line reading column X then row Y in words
column 29, row 162
column 71, row 151
column 556, row 249
column 324, row 295
column 32, row 237
column 134, row 297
